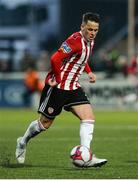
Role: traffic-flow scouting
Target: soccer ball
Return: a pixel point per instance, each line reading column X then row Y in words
column 80, row 155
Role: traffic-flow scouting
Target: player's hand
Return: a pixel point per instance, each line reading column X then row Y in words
column 92, row 77
column 52, row 82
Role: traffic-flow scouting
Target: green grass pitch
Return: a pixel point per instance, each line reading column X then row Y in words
column 115, row 138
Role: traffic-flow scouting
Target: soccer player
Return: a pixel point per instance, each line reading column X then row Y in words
column 63, row 90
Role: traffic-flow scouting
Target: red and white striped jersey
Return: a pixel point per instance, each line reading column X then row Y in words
column 70, row 61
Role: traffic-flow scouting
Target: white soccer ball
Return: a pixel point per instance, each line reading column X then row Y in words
column 80, row 155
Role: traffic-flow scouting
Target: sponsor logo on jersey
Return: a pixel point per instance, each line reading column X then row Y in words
column 65, row 48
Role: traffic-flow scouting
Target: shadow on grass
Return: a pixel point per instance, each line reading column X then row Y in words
column 16, row 165
column 8, row 165
column 132, row 162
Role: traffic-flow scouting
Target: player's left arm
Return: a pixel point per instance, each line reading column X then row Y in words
column 92, row 76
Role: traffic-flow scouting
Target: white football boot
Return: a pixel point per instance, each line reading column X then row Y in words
column 20, row 151
column 96, row 162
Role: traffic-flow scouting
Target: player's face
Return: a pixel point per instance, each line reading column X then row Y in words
column 90, row 30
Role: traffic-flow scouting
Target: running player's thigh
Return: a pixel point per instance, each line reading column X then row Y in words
column 83, row 111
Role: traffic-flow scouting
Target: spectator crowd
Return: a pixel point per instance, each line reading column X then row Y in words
column 110, row 62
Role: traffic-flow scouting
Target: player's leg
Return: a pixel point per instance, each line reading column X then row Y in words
column 48, row 108
column 85, row 114
column 35, row 128
column 80, row 106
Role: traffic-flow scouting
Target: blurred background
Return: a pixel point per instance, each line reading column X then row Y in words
column 31, row 30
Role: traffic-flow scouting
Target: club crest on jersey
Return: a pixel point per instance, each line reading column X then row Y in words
column 50, row 110
column 66, row 48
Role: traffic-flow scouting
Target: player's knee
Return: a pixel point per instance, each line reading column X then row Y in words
column 90, row 116
column 87, row 117
column 46, row 122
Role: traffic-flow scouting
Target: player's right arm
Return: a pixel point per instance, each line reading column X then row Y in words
column 67, row 49
column 52, row 82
